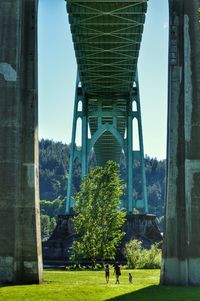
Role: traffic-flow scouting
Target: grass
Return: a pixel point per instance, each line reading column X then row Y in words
column 91, row 286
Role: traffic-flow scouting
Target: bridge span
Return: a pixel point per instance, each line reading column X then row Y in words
column 106, row 36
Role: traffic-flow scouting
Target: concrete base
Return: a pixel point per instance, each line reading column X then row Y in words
column 180, row 272
column 56, row 249
column 142, row 227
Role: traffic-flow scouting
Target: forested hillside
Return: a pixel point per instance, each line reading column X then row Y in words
column 54, row 166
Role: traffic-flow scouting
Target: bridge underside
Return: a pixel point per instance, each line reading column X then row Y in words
column 107, row 37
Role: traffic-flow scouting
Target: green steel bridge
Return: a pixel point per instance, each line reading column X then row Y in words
column 107, row 37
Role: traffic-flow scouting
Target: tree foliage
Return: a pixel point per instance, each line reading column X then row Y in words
column 54, row 167
column 98, row 217
column 49, row 211
column 140, row 258
column 47, row 225
column 53, row 208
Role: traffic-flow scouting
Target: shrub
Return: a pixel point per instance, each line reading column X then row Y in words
column 82, row 267
column 140, row 258
column 132, row 252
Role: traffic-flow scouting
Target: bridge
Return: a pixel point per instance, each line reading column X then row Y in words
column 107, row 36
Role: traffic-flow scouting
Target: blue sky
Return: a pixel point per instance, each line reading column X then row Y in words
column 57, row 74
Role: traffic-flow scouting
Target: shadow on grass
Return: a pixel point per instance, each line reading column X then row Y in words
column 161, row 293
column 2, row 285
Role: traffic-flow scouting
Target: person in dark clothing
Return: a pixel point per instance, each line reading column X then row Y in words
column 107, row 273
column 117, row 272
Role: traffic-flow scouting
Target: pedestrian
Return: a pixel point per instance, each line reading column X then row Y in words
column 107, row 273
column 130, row 277
column 117, row 272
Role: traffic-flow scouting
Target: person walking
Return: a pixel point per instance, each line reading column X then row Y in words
column 117, row 272
column 130, row 277
column 107, row 273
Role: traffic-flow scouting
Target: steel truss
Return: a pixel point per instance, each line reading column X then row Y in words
column 113, row 119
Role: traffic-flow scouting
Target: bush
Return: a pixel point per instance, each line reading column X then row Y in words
column 140, row 258
column 82, row 267
column 132, row 252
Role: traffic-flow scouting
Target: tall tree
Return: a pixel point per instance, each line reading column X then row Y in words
column 98, row 217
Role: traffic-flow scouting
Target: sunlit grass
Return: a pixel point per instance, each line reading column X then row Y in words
column 91, row 286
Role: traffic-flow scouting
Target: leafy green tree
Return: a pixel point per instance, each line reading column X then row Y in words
column 98, row 217
column 52, row 225
column 45, row 224
column 141, row 258
column 53, row 208
column 132, row 252
column 54, row 164
column 54, row 168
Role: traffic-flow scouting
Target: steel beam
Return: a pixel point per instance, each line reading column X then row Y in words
column 114, row 138
column 141, row 203
column 129, row 157
column 141, row 151
column 78, row 95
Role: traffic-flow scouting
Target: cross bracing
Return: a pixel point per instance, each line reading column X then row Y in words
column 107, row 37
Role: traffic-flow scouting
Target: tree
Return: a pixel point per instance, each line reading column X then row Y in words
column 47, row 225
column 54, row 167
column 132, row 252
column 140, row 258
column 54, row 164
column 52, row 225
column 53, row 208
column 98, row 217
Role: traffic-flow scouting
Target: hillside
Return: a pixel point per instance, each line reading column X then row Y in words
column 54, row 167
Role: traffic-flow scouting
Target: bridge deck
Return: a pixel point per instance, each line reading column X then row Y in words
column 107, row 37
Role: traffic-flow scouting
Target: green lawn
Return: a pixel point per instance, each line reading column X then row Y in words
column 91, row 286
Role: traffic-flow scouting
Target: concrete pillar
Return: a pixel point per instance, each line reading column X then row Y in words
column 20, row 242
column 181, row 250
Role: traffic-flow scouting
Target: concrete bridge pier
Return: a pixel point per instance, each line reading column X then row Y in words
column 20, row 242
column 181, row 252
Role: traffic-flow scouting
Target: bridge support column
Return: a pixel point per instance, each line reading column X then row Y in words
column 81, row 154
column 181, row 251
column 20, row 242
column 129, row 158
column 132, row 154
column 72, row 149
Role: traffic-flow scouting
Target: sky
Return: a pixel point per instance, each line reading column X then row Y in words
column 57, row 74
